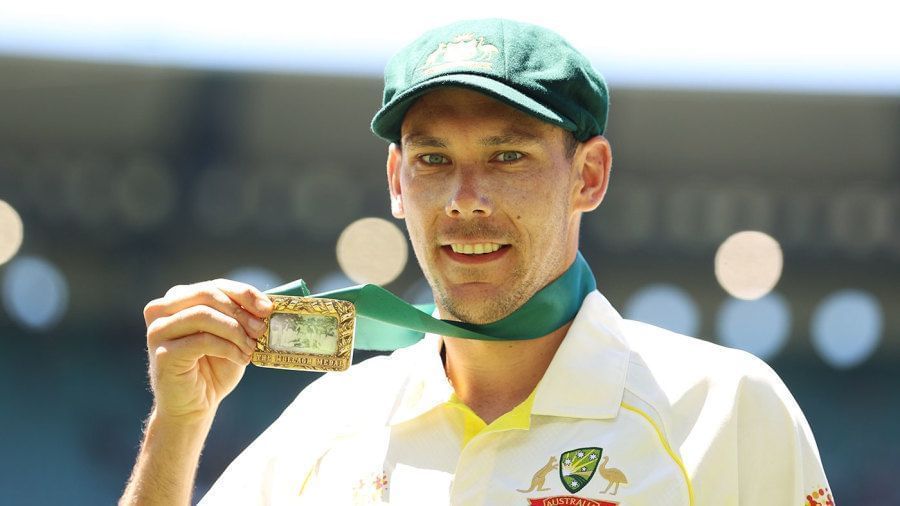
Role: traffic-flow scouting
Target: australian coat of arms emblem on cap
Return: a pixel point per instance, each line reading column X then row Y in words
column 466, row 51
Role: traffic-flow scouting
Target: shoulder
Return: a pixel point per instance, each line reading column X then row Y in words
column 684, row 378
column 729, row 415
column 677, row 359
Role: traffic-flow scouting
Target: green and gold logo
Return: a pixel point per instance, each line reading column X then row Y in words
column 465, row 52
column 577, row 467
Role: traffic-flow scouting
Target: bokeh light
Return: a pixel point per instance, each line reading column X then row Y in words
column 372, row 250
column 846, row 328
column 35, row 292
column 11, row 232
column 256, row 276
column 666, row 306
column 760, row 326
column 749, row 264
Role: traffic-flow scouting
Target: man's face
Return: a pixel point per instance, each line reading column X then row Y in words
column 487, row 193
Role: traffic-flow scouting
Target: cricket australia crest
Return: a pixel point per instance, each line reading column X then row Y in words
column 577, row 467
column 465, row 51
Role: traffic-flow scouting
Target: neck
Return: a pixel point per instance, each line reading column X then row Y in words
column 492, row 377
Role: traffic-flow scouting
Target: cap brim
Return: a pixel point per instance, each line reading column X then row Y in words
column 387, row 121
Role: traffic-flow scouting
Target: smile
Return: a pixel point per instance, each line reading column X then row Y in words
column 475, row 249
column 475, row 253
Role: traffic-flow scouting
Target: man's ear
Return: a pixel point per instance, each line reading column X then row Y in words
column 393, row 176
column 594, row 160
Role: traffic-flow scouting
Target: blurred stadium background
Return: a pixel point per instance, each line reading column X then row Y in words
column 137, row 152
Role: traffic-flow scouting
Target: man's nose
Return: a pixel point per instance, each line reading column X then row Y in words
column 468, row 198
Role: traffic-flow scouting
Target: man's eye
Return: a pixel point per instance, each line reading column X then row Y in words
column 509, row 156
column 433, row 159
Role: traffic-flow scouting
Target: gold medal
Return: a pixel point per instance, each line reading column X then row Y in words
column 307, row 333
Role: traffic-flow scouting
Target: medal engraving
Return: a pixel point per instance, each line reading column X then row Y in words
column 307, row 333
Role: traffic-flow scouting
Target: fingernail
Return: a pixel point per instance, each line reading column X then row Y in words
column 256, row 324
column 251, row 343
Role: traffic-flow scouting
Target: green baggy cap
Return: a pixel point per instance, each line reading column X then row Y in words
column 529, row 67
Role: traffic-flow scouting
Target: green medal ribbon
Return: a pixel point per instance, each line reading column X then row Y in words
column 387, row 322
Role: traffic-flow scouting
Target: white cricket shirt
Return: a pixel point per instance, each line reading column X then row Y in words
column 626, row 414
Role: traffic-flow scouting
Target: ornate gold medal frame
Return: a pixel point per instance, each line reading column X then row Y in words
column 307, row 333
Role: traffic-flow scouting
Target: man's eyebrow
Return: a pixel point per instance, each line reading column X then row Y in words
column 510, row 138
column 427, row 141
column 423, row 141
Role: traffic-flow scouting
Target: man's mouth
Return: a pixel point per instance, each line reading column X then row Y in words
column 475, row 253
column 475, row 249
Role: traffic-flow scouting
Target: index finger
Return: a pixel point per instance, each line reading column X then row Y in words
column 249, row 297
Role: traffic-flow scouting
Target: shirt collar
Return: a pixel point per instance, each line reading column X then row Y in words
column 427, row 386
column 585, row 379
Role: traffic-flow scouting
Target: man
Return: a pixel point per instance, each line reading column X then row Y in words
column 496, row 152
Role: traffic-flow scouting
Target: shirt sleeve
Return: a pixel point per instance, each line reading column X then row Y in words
column 778, row 460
